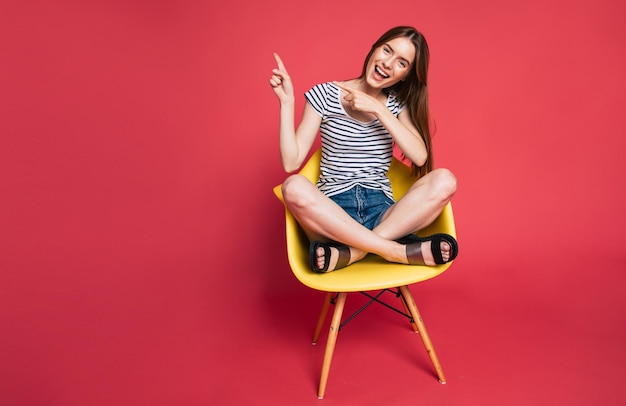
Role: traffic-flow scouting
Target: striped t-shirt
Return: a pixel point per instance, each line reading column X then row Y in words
column 353, row 152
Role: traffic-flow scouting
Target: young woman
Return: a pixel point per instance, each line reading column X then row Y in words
column 351, row 211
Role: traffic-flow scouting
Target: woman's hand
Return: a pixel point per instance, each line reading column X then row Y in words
column 360, row 101
column 281, row 82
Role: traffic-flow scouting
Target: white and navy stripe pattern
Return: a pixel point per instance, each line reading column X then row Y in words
column 353, row 152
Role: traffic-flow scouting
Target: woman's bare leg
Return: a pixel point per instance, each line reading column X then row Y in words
column 418, row 208
column 324, row 219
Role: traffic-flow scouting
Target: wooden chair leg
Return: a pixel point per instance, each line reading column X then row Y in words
column 330, row 345
column 422, row 330
column 322, row 318
column 408, row 311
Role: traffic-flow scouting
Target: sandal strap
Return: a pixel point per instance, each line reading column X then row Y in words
column 414, row 253
column 435, row 248
column 344, row 255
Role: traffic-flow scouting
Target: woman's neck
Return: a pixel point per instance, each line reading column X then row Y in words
column 361, row 84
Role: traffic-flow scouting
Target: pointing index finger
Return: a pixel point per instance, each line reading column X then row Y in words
column 279, row 62
column 343, row 87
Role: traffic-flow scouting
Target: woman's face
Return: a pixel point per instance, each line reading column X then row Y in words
column 390, row 63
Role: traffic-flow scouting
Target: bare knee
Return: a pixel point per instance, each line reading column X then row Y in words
column 443, row 184
column 297, row 191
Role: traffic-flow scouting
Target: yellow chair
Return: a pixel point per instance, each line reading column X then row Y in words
column 370, row 274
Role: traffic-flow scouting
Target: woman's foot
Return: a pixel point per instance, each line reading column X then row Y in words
column 327, row 257
column 434, row 250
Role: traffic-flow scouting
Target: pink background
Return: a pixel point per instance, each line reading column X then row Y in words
column 142, row 255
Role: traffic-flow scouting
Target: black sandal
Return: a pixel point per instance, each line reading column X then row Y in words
column 414, row 248
column 342, row 261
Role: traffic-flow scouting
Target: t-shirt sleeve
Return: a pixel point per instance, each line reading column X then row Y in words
column 316, row 97
column 395, row 107
column 400, row 109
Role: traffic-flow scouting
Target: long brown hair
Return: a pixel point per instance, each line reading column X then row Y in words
column 413, row 90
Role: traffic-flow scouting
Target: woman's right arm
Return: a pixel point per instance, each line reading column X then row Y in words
column 294, row 144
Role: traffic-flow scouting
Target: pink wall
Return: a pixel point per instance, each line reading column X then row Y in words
column 139, row 148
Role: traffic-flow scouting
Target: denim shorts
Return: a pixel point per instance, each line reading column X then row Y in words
column 366, row 206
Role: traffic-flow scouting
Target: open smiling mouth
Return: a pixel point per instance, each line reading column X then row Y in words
column 381, row 73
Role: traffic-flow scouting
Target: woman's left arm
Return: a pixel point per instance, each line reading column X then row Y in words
column 404, row 134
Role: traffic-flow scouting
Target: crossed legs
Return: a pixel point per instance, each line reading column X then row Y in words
column 323, row 219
